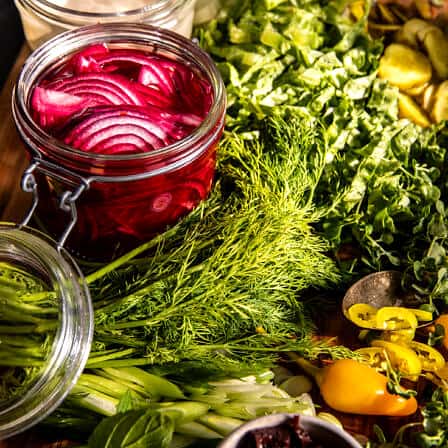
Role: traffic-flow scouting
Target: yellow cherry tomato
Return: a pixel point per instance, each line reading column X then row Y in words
column 431, row 359
column 395, row 318
column 363, row 315
column 402, row 358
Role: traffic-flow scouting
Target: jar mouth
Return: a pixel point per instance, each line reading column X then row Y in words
column 71, row 334
column 155, row 9
column 152, row 39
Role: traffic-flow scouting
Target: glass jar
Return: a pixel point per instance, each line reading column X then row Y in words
column 68, row 325
column 43, row 19
column 205, row 10
column 116, row 202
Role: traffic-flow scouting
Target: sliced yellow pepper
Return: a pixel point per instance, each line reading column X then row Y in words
column 399, row 336
column 395, row 318
column 422, row 315
column 373, row 356
column 402, row 358
column 363, row 315
column 431, row 359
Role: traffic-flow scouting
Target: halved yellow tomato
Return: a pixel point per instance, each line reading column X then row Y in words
column 395, row 318
column 431, row 359
column 363, row 315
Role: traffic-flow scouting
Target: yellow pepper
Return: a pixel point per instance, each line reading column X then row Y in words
column 388, row 318
column 431, row 359
column 349, row 386
column 402, row 358
column 399, row 336
column 395, row 318
column 363, row 315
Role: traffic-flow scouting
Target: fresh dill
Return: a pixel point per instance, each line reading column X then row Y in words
column 224, row 288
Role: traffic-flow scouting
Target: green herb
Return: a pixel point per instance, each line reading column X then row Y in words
column 224, row 288
column 28, row 318
column 435, row 421
column 134, row 428
column 382, row 186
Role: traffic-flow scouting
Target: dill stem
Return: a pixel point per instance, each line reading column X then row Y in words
column 95, row 359
column 38, row 297
column 29, row 308
column 19, row 361
column 127, row 362
column 94, row 276
column 107, row 305
column 42, row 327
column 121, row 340
column 173, row 309
column 36, row 352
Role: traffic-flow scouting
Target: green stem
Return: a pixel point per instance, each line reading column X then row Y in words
column 20, row 306
column 28, row 329
column 114, row 388
column 94, row 276
column 98, row 360
column 175, row 309
column 108, row 305
column 36, row 351
column 93, row 400
column 20, row 362
column 117, row 363
column 310, row 369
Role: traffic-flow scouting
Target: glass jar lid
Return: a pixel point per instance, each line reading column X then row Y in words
column 46, row 326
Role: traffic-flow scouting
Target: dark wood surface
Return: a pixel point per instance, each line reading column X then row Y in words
column 13, row 160
column 11, row 37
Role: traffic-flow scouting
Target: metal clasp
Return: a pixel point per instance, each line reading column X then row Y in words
column 67, row 201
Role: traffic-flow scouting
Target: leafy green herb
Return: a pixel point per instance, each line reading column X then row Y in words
column 382, row 186
column 141, row 428
column 435, row 422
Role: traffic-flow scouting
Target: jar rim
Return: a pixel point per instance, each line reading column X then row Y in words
column 158, row 9
column 73, row 337
column 116, row 33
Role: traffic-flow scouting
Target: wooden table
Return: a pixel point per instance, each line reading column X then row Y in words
column 13, row 160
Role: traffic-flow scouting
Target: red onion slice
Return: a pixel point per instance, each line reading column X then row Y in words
column 101, row 129
column 120, row 101
column 112, row 85
column 53, row 107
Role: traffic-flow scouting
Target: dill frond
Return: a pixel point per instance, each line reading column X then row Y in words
column 223, row 287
